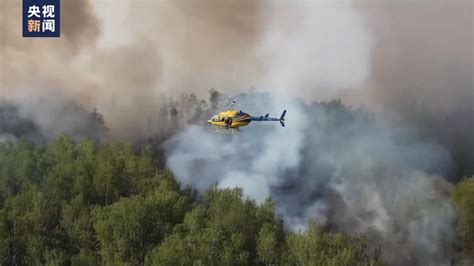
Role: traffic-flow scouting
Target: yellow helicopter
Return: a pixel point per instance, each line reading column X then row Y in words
column 234, row 119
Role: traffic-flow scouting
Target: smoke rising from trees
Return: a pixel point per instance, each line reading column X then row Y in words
column 409, row 62
column 339, row 166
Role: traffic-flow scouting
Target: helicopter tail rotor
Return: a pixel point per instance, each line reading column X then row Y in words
column 282, row 118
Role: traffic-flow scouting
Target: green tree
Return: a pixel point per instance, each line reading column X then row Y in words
column 131, row 227
column 463, row 197
column 267, row 245
column 59, row 180
column 223, row 230
column 35, row 216
column 21, row 163
column 77, row 223
column 86, row 204
column 86, row 164
column 5, row 239
column 317, row 246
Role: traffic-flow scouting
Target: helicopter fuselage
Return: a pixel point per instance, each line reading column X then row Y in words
column 235, row 119
column 231, row 119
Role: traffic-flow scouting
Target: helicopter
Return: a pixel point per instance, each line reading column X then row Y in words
column 234, row 119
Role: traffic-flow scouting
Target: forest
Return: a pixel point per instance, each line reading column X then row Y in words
column 76, row 199
column 84, row 203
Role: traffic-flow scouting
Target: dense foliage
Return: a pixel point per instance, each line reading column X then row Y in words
column 463, row 197
column 88, row 204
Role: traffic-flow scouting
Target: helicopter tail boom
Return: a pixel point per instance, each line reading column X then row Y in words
column 281, row 119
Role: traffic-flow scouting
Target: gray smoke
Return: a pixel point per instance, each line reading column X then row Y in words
column 42, row 119
column 123, row 57
column 338, row 166
column 408, row 61
column 422, row 71
column 383, row 178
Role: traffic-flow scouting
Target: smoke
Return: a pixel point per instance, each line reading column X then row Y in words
column 118, row 80
column 338, row 166
column 410, row 62
column 315, row 49
column 423, row 54
column 40, row 120
column 26, row 61
column 422, row 71
column 124, row 58
column 38, row 76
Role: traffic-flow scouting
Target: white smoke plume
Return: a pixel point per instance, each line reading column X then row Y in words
column 329, row 164
column 337, row 166
column 376, row 178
